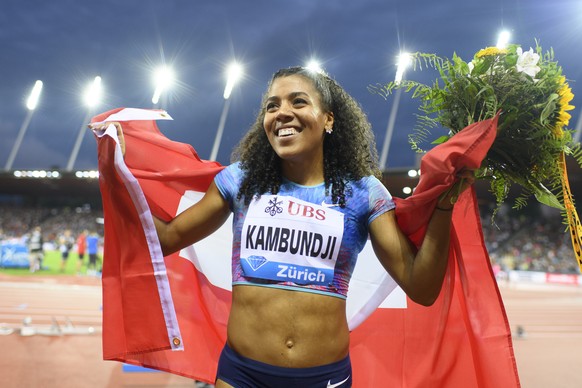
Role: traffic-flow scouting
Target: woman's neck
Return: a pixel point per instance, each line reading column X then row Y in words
column 306, row 174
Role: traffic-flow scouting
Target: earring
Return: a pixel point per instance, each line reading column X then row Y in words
column 328, row 130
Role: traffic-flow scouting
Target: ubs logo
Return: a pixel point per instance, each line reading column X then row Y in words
column 274, row 207
column 294, row 209
column 297, row 209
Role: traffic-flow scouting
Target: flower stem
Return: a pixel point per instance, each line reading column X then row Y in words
column 456, row 189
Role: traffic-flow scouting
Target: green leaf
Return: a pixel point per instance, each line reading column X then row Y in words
column 460, row 65
column 549, row 108
column 441, row 139
column 546, row 197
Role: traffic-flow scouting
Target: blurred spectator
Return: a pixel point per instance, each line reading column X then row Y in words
column 81, row 248
column 36, row 249
column 66, row 243
column 532, row 239
column 93, row 252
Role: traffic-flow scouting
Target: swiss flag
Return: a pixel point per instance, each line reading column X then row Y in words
column 170, row 313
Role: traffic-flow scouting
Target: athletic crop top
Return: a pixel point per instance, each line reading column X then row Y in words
column 297, row 239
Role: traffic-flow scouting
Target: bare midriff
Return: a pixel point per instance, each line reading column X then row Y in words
column 292, row 329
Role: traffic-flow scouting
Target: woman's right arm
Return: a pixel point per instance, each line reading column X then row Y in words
column 193, row 224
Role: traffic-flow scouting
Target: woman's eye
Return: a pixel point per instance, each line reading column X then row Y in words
column 299, row 101
column 271, row 106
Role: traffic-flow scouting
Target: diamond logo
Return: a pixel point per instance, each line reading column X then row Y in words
column 256, row 262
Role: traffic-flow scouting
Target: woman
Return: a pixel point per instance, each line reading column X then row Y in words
column 305, row 195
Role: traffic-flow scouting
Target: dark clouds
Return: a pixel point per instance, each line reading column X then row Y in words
column 67, row 43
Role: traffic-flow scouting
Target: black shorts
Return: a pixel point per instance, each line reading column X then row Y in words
column 242, row 372
column 92, row 258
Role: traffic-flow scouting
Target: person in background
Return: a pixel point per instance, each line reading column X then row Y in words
column 66, row 243
column 81, row 248
column 36, row 249
column 93, row 252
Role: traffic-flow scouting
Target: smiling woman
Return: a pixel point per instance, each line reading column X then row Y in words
column 305, row 195
column 337, row 128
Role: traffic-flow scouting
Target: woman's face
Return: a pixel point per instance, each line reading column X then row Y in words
column 295, row 121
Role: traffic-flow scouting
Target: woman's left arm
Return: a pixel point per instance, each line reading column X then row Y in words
column 420, row 272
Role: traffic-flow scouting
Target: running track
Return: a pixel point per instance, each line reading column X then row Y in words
column 546, row 355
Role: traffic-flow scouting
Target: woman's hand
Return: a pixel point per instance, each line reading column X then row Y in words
column 103, row 126
column 465, row 178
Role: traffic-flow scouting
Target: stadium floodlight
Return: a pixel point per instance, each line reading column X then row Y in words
column 233, row 75
column 503, row 39
column 92, row 98
column 31, row 104
column 404, row 61
column 163, row 79
column 93, row 93
column 32, row 101
column 314, row 66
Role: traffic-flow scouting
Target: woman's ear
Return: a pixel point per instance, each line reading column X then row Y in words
column 329, row 122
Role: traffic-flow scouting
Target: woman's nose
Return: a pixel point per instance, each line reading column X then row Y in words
column 284, row 113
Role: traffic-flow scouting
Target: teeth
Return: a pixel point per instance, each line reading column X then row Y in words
column 286, row 132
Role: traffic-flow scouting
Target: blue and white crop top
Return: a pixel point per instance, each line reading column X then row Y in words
column 297, row 239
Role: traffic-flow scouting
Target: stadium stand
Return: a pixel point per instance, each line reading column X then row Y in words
column 530, row 239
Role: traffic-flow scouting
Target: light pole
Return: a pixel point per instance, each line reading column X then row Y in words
column 31, row 104
column 163, row 78
column 403, row 62
column 578, row 129
column 234, row 73
column 92, row 98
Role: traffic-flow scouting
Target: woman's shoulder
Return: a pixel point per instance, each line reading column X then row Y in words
column 229, row 179
column 233, row 169
column 371, row 185
column 367, row 182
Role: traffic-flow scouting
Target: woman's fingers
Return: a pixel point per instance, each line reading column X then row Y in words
column 121, row 138
column 467, row 174
column 465, row 178
column 105, row 125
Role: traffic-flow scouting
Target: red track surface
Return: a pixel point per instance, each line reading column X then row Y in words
column 546, row 355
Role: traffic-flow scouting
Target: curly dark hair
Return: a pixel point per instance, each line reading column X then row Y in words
column 349, row 153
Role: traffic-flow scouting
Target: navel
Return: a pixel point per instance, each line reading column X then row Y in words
column 289, row 343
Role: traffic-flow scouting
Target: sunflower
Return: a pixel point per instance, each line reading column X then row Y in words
column 563, row 118
column 490, row 51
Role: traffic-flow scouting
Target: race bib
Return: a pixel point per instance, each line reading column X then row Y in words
column 287, row 239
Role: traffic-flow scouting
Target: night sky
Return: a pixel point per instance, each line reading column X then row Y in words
column 66, row 43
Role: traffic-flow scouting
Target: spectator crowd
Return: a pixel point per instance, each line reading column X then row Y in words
column 66, row 230
column 531, row 239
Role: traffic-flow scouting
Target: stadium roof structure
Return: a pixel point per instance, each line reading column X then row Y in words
column 56, row 188
column 62, row 188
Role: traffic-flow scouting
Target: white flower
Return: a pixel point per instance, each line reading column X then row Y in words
column 471, row 67
column 527, row 62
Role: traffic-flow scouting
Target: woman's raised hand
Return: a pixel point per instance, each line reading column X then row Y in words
column 465, row 178
column 104, row 125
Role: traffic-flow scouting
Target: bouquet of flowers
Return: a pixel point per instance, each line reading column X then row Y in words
column 532, row 98
column 531, row 95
